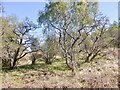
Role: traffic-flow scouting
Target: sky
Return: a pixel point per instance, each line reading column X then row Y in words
column 110, row 9
column 24, row 9
column 31, row 9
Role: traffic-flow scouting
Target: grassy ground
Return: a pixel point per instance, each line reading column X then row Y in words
column 101, row 73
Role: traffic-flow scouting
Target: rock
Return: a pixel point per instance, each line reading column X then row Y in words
column 83, row 80
column 98, row 69
column 89, row 71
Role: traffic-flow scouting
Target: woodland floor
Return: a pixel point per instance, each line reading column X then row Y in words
column 100, row 73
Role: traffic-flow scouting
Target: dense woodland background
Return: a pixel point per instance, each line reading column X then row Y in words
column 79, row 49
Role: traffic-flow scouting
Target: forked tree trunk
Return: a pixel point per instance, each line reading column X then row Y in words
column 15, row 58
column 72, row 63
column 67, row 62
column 88, row 57
column 91, row 56
column 13, row 65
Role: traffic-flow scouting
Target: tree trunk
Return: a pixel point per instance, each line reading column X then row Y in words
column 88, row 57
column 74, row 65
column 15, row 58
column 14, row 62
column 10, row 62
column 13, row 65
column 94, row 56
column 48, row 61
column 33, row 59
column 67, row 63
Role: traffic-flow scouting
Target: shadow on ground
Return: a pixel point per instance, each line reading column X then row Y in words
column 40, row 66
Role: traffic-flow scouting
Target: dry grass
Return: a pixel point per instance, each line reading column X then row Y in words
column 102, row 73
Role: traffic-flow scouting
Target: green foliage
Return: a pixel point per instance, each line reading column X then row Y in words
column 113, row 34
column 14, row 39
column 79, row 27
column 9, row 40
column 50, row 48
column 76, row 13
column 65, row 24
